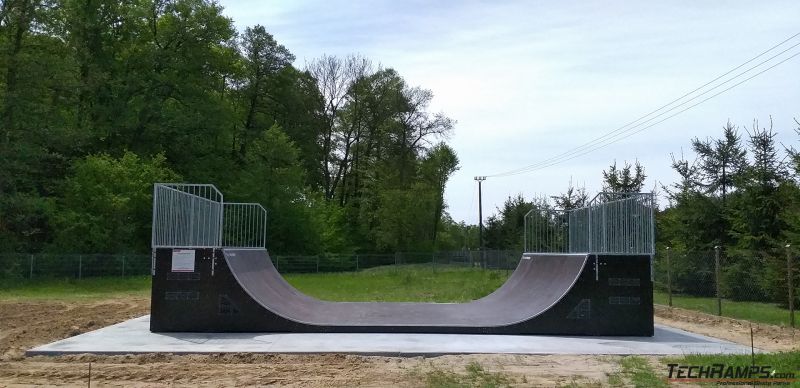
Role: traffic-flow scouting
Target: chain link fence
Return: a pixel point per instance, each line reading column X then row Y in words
column 79, row 266
column 751, row 285
column 487, row 259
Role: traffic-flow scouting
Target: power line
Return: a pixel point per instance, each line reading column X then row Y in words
column 630, row 126
column 589, row 145
column 656, row 123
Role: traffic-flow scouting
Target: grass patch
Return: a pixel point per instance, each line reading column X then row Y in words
column 751, row 311
column 475, row 376
column 68, row 289
column 635, row 371
column 404, row 283
column 409, row 283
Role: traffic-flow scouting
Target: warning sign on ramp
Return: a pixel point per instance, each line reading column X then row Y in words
column 183, row 260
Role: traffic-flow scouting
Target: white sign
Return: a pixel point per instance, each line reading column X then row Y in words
column 183, row 260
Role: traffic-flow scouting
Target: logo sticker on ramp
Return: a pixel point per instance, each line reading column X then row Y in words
column 183, row 260
column 583, row 310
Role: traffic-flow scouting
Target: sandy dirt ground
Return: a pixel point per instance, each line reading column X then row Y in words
column 27, row 324
column 767, row 337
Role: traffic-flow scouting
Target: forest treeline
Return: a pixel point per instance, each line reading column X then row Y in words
column 101, row 98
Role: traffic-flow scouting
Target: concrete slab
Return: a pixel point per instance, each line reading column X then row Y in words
column 133, row 336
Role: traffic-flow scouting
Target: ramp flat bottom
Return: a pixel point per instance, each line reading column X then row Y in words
column 133, row 336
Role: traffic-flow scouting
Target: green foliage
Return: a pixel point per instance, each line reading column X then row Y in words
column 747, row 206
column 323, row 149
column 629, row 179
column 103, row 200
column 505, row 229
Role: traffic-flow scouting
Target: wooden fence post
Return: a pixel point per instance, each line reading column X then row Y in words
column 790, row 283
column 669, row 277
column 716, row 279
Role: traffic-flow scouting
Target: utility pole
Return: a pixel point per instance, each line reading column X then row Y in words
column 480, row 179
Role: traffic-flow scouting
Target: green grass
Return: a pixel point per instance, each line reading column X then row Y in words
column 783, row 362
column 68, row 289
column 475, row 376
column 638, row 373
column 412, row 283
column 751, row 311
column 406, row 283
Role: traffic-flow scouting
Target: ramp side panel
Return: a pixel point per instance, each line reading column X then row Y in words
column 223, row 305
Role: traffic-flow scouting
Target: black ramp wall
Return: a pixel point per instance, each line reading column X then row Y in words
column 239, row 290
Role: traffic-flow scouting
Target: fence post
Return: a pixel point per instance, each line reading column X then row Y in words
column 789, row 282
column 317, row 263
column 716, row 279
column 30, row 276
column 123, row 265
column 669, row 277
column 356, row 263
column 80, row 267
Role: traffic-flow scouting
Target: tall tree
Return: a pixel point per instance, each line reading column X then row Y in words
column 437, row 167
column 629, row 179
column 721, row 161
column 264, row 58
column 573, row 198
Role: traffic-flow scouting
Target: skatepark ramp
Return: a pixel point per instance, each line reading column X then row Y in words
column 234, row 287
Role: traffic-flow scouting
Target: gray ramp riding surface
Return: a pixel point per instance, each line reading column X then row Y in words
column 538, row 283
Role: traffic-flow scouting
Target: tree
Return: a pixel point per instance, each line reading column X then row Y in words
column 504, row 230
column 624, row 180
column 794, row 153
column 573, row 198
column 107, row 202
column 437, row 167
column 272, row 175
column 756, row 221
column 264, row 58
column 721, row 161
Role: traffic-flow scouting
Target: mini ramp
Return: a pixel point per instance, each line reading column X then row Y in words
column 201, row 283
column 239, row 290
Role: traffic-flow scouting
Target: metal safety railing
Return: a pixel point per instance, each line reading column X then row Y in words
column 186, row 215
column 245, row 225
column 196, row 216
column 622, row 223
column 612, row 223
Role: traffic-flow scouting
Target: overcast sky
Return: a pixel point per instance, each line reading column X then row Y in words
column 529, row 80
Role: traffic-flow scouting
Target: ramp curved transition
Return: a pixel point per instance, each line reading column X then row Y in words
column 537, row 284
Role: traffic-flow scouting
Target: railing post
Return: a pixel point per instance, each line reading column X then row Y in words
column 717, row 278
column 790, row 283
column 669, row 277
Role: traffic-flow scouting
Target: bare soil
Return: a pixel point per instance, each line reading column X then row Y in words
column 766, row 337
column 25, row 324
